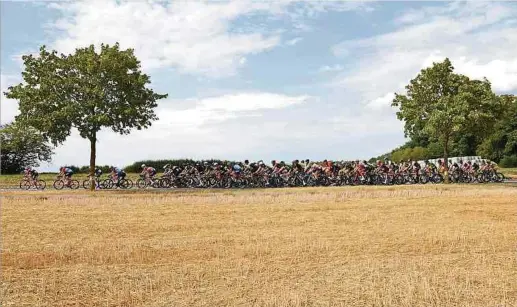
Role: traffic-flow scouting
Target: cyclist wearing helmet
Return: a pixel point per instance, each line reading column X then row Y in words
column 118, row 173
column 307, row 165
column 237, row 169
column 297, row 167
column 66, row 171
column 148, row 170
column 98, row 172
column 32, row 173
column 167, row 170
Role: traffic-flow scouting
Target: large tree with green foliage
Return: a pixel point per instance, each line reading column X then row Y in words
column 443, row 105
column 502, row 142
column 22, row 146
column 85, row 90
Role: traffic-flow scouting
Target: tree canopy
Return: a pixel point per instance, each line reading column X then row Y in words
column 443, row 106
column 86, row 90
column 22, row 146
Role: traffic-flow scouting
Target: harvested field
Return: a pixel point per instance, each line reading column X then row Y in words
column 352, row 246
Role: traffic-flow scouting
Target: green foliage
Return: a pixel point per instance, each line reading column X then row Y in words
column 444, row 106
column 503, row 140
column 404, row 154
column 434, row 150
column 86, row 169
column 22, row 146
column 509, row 161
column 85, row 90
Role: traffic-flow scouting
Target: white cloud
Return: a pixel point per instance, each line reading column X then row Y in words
column 474, row 36
column 222, row 108
column 381, row 102
column 294, row 41
column 193, row 36
column 9, row 107
column 332, row 68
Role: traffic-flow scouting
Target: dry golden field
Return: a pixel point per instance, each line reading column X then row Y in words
column 362, row 246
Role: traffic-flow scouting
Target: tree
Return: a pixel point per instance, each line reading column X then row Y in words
column 85, row 90
column 443, row 104
column 22, row 146
column 502, row 142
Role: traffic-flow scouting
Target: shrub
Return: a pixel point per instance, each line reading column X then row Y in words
column 508, row 161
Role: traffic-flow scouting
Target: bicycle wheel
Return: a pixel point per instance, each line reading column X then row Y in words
column 107, row 184
column 437, row 178
column 41, row 184
column 59, row 184
column 500, row 177
column 165, row 183
column 126, row 184
column 141, row 184
column 86, row 184
column 74, row 184
column 424, row 179
column 156, row 183
column 25, row 184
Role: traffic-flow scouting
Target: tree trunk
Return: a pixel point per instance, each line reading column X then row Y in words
column 93, row 149
column 446, row 160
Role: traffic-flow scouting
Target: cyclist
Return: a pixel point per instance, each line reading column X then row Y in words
column 67, row 173
column 278, row 168
column 416, row 168
column 97, row 174
column 307, row 165
column 261, row 168
column 246, row 165
column 297, row 167
column 475, row 166
column 326, row 167
column 167, row 170
column 148, row 171
column 118, row 174
column 31, row 173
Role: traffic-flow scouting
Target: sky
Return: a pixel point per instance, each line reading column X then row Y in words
column 265, row 79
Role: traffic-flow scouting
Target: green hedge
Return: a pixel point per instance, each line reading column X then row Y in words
column 508, row 161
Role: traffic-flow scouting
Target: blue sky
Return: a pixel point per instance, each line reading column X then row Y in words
column 266, row 80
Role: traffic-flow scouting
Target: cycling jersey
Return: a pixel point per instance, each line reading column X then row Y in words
column 150, row 170
column 118, row 171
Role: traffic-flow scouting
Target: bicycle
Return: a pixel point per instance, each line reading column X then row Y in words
column 98, row 182
column 28, row 182
column 112, row 182
column 145, row 181
column 59, row 183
